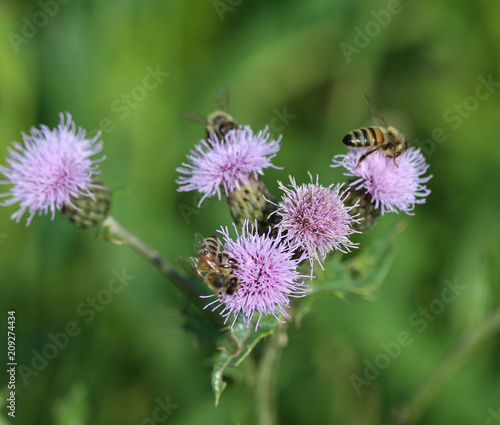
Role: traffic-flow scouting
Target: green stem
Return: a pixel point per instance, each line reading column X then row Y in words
column 186, row 286
column 265, row 386
column 467, row 343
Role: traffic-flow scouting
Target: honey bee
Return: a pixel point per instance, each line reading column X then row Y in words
column 387, row 139
column 212, row 266
column 218, row 266
column 218, row 122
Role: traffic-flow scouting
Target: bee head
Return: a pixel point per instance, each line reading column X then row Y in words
column 234, row 284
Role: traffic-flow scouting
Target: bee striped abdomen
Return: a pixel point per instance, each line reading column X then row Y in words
column 364, row 137
column 211, row 243
column 208, row 254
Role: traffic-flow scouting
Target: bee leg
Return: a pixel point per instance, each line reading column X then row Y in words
column 394, row 155
column 363, row 157
column 394, row 158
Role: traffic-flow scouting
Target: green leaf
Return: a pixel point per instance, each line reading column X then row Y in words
column 218, row 384
column 361, row 274
column 244, row 340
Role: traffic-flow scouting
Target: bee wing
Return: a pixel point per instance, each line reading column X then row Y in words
column 194, row 117
column 198, row 240
column 190, row 265
column 377, row 116
column 222, row 98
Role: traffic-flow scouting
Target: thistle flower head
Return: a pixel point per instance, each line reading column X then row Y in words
column 315, row 220
column 228, row 163
column 393, row 188
column 51, row 167
column 267, row 272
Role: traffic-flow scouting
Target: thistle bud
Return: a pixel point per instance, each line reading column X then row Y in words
column 86, row 212
column 362, row 205
column 251, row 202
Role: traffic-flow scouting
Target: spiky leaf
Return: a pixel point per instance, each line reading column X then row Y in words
column 245, row 340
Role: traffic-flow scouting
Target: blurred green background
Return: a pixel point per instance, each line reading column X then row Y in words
column 421, row 66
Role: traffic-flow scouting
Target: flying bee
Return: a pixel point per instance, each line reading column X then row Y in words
column 387, row 139
column 218, row 122
column 212, row 266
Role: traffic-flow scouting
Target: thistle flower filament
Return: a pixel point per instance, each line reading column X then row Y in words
column 50, row 168
column 315, row 220
column 392, row 187
column 228, row 163
column 267, row 272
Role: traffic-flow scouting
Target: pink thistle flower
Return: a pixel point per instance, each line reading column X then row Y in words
column 267, row 272
column 228, row 163
column 391, row 187
column 315, row 220
column 52, row 166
